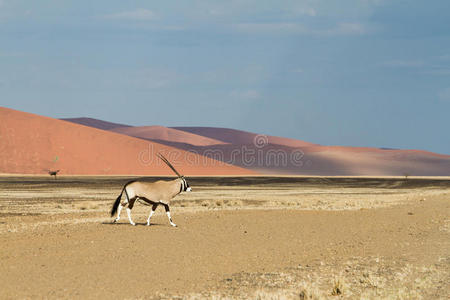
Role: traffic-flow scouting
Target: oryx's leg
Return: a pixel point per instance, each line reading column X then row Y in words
column 151, row 213
column 121, row 206
column 130, row 206
column 119, row 209
column 166, row 206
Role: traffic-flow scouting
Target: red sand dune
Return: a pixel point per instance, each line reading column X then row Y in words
column 239, row 137
column 288, row 156
column 374, row 161
column 276, row 155
column 31, row 144
column 278, row 159
column 166, row 134
column 320, row 148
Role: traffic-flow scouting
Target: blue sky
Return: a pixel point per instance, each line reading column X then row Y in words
column 359, row 73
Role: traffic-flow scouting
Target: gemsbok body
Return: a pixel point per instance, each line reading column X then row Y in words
column 53, row 173
column 154, row 193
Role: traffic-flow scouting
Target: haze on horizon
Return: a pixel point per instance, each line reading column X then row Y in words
column 372, row 73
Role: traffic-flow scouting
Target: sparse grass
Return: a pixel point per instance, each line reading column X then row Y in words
column 337, row 287
column 359, row 278
column 36, row 195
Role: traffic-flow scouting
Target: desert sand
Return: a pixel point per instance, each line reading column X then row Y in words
column 239, row 237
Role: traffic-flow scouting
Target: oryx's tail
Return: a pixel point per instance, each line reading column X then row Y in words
column 117, row 202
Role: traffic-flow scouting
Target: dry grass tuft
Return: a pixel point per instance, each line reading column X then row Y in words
column 337, row 287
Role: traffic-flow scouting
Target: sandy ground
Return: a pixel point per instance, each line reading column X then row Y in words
column 260, row 238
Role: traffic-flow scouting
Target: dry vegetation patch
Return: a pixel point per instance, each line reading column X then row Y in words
column 328, row 244
column 358, row 278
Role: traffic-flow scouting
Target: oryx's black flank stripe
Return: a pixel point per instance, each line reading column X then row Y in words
column 145, row 201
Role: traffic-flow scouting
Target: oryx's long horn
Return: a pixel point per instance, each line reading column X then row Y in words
column 168, row 163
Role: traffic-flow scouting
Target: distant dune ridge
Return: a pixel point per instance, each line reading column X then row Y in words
column 95, row 123
column 32, row 144
column 167, row 134
column 239, row 137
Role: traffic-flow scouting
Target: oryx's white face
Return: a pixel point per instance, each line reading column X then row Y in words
column 185, row 185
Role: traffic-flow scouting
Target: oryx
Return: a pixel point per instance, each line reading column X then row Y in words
column 53, row 173
column 154, row 193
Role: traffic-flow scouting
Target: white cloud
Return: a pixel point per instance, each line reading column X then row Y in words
column 298, row 70
column 444, row 95
column 296, row 28
column 13, row 54
column 270, row 28
column 247, row 75
column 150, row 78
column 215, row 11
column 140, row 14
column 404, row 63
column 374, row 2
column 438, row 72
column 347, row 29
column 245, row 94
column 445, row 57
column 302, row 10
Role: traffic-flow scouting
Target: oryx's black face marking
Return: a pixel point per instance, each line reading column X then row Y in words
column 184, row 185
